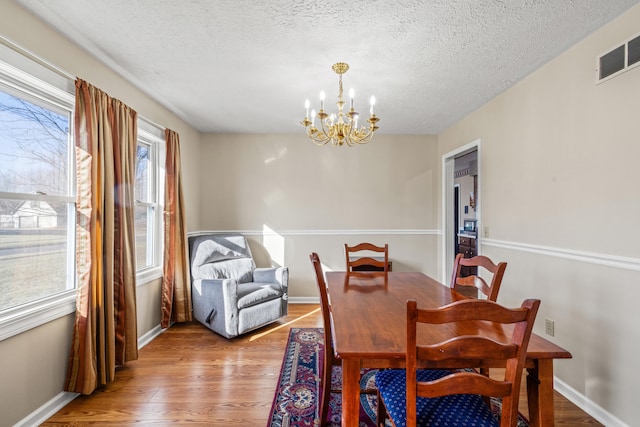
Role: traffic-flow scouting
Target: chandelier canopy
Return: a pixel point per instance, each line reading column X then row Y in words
column 343, row 128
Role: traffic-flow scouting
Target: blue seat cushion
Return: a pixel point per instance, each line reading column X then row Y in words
column 453, row 410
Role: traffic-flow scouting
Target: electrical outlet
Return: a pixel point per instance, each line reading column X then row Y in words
column 549, row 326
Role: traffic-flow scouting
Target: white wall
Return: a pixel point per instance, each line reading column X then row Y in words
column 33, row 364
column 559, row 155
column 318, row 198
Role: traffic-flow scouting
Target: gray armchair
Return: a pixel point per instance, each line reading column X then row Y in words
column 230, row 295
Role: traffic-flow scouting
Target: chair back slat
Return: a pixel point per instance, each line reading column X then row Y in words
column 472, row 310
column 464, row 383
column 468, row 348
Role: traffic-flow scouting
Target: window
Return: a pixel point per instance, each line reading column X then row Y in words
column 149, row 192
column 37, row 199
column 37, row 194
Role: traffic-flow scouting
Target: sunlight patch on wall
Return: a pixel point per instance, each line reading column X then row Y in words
column 274, row 243
column 281, row 153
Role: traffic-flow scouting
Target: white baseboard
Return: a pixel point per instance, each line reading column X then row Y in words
column 47, row 410
column 304, row 300
column 149, row 336
column 58, row 402
column 587, row 405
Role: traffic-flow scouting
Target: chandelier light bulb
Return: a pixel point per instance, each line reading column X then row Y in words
column 306, row 105
column 352, row 94
column 372, row 101
column 322, row 100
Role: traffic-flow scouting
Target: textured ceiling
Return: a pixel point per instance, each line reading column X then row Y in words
column 246, row 66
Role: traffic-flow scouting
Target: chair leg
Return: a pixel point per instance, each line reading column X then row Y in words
column 381, row 413
column 487, row 399
column 326, row 392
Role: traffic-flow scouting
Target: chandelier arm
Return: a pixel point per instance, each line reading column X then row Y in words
column 359, row 139
column 319, row 141
column 320, row 138
column 324, row 136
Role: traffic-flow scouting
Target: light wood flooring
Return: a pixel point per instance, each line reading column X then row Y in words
column 189, row 375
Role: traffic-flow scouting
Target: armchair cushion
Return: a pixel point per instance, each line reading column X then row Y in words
column 222, row 257
column 240, row 270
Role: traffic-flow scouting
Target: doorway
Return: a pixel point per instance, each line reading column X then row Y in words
column 459, row 203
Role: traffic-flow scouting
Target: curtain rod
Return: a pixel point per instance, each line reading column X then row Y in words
column 22, row 51
column 48, row 65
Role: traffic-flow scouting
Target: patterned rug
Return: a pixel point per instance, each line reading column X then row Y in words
column 295, row 401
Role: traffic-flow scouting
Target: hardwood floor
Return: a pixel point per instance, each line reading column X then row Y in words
column 189, row 375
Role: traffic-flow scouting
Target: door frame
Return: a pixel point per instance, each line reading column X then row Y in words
column 448, row 243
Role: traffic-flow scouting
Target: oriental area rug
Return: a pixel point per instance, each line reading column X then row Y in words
column 295, row 403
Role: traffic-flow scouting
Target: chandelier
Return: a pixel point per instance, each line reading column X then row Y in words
column 343, row 128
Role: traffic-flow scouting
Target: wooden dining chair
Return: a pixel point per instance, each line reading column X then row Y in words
column 355, row 260
column 477, row 283
column 413, row 397
column 480, row 261
column 329, row 360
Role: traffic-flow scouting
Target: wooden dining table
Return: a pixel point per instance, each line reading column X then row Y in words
column 368, row 317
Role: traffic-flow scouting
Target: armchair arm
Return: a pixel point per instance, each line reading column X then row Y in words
column 278, row 275
column 215, row 303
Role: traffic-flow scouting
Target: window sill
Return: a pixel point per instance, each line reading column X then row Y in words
column 20, row 319
column 23, row 318
column 145, row 276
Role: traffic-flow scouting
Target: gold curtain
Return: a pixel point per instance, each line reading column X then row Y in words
column 105, row 330
column 176, row 287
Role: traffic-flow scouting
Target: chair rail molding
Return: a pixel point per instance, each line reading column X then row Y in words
column 341, row 232
column 614, row 261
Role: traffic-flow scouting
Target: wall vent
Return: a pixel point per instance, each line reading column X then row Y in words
column 618, row 60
